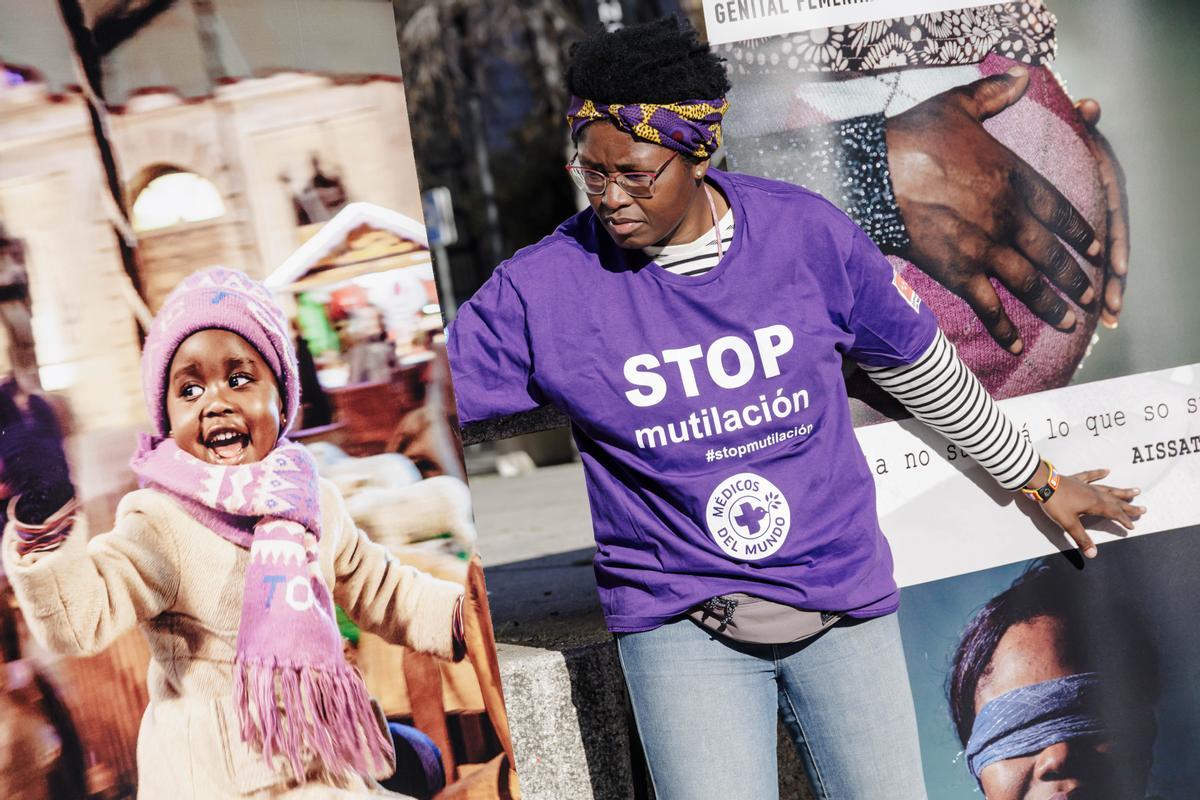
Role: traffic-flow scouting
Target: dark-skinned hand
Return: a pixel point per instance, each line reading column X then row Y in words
column 1112, row 178
column 1079, row 495
column 974, row 210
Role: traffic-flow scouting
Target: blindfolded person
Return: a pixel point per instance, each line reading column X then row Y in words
column 692, row 323
column 1052, row 700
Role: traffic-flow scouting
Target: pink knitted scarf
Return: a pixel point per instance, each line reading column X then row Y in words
column 296, row 696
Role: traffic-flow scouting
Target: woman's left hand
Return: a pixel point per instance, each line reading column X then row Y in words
column 1079, row 495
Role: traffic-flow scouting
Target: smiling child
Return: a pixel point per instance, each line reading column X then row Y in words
column 231, row 557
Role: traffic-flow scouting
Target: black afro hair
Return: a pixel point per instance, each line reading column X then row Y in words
column 656, row 62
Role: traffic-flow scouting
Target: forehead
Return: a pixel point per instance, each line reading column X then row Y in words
column 213, row 346
column 1029, row 652
column 602, row 143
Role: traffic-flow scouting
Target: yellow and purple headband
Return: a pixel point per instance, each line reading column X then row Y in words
column 692, row 127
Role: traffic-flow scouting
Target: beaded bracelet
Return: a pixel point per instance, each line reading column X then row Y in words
column 1044, row 493
column 47, row 535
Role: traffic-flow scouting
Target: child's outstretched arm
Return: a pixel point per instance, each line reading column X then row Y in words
column 82, row 595
column 77, row 595
column 386, row 597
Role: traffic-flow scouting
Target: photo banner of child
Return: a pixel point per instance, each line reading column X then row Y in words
column 260, row 577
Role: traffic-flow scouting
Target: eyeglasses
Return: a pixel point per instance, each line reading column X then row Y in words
column 635, row 184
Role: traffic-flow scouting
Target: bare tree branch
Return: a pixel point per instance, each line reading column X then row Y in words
column 87, row 64
column 113, row 28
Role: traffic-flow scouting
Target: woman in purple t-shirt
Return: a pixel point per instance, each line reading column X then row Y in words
column 692, row 325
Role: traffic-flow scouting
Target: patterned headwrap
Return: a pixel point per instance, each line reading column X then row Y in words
column 693, row 127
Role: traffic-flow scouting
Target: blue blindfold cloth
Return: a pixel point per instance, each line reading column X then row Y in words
column 1031, row 718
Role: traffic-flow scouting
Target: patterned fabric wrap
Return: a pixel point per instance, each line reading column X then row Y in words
column 1031, row 718
column 692, row 127
column 296, row 696
column 48, row 535
column 228, row 300
column 1023, row 31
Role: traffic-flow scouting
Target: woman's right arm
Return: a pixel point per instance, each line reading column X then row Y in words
column 80, row 596
column 491, row 360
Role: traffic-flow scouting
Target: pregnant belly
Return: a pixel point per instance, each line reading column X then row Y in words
column 1042, row 128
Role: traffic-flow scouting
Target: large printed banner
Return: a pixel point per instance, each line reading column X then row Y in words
column 1111, row 647
column 945, row 516
column 272, row 138
column 946, row 131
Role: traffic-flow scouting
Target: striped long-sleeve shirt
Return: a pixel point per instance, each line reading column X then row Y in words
column 940, row 390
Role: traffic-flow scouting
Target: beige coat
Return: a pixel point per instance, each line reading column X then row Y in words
column 183, row 583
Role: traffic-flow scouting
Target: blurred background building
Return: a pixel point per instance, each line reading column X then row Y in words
column 225, row 152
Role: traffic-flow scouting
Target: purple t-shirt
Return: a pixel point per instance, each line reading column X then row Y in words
column 710, row 411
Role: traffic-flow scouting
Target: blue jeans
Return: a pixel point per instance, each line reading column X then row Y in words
column 706, row 712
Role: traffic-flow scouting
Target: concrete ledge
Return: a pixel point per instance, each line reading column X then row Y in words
column 566, row 711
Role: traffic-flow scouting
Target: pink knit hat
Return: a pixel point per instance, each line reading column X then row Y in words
column 228, row 300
